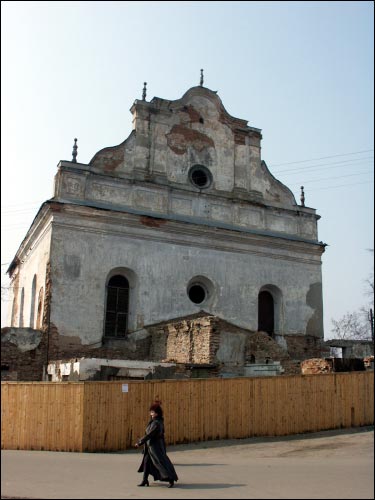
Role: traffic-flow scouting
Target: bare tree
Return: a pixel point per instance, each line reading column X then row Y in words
column 353, row 326
column 358, row 325
column 369, row 284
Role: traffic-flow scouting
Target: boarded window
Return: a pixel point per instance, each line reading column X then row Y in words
column 116, row 319
column 266, row 322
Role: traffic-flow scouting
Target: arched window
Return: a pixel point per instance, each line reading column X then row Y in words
column 32, row 306
column 40, row 309
column 20, row 321
column 13, row 316
column 266, row 313
column 117, row 309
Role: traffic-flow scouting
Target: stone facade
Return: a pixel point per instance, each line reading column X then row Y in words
column 184, row 205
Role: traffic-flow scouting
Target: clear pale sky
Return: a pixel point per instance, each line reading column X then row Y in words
column 300, row 71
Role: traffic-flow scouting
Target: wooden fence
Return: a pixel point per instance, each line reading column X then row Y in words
column 110, row 416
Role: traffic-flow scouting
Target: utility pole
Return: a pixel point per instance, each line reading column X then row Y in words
column 371, row 319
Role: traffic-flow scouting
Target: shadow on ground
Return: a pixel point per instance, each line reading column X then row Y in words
column 266, row 439
column 195, row 465
column 204, row 486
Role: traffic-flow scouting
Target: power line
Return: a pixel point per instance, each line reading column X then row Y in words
column 322, row 158
column 30, row 210
column 341, row 185
column 325, row 165
column 335, row 177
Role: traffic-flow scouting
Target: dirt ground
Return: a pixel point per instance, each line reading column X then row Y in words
column 330, row 464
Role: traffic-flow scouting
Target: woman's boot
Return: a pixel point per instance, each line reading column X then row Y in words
column 144, row 482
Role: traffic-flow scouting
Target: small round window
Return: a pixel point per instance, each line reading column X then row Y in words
column 197, row 293
column 200, row 176
column 200, row 290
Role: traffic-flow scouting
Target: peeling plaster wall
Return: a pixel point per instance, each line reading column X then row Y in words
column 209, row 206
column 149, row 170
column 35, row 256
column 85, row 255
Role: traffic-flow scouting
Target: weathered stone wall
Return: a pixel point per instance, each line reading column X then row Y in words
column 159, row 263
column 30, row 280
column 304, row 346
column 23, row 354
column 156, row 200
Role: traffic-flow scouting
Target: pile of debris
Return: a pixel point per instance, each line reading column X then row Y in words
column 369, row 361
column 315, row 365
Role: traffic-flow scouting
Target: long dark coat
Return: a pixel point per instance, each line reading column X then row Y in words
column 161, row 468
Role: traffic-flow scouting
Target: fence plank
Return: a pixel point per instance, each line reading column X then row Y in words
column 100, row 416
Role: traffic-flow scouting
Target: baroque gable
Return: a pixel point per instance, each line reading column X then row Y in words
column 188, row 159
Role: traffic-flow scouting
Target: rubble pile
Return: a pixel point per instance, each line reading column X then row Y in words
column 315, row 365
column 368, row 360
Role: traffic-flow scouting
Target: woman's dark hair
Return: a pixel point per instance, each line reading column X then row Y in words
column 157, row 408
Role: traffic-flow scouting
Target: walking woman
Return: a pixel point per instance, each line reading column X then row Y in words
column 155, row 460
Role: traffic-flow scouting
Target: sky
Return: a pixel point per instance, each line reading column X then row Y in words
column 302, row 72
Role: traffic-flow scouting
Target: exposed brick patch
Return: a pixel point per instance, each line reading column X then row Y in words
column 304, row 346
column 240, row 137
column 66, row 347
column 315, row 365
column 151, row 221
column 184, row 341
column 108, row 159
column 55, row 207
column 194, row 115
column 260, row 347
column 180, row 137
column 291, row 367
column 47, row 298
column 26, row 366
column 231, row 121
